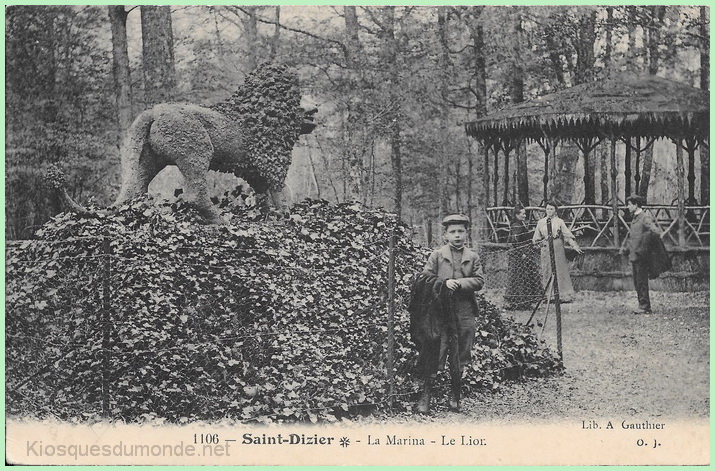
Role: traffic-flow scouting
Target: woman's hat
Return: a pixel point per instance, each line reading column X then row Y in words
column 636, row 199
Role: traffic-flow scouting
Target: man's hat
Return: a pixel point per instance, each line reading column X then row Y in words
column 455, row 219
column 636, row 199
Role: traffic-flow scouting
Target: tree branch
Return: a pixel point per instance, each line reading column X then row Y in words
column 235, row 8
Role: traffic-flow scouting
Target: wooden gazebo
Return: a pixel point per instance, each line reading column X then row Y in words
column 628, row 108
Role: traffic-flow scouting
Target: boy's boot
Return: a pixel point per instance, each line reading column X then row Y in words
column 425, row 396
column 455, row 395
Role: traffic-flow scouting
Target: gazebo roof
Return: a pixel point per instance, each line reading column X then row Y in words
column 623, row 105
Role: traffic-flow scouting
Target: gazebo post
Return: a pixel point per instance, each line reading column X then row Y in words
column 627, row 170
column 704, row 173
column 546, row 145
column 496, row 172
column 614, row 191
column 637, row 177
column 507, row 151
column 545, row 178
column 487, row 145
column 680, row 174
column 692, row 145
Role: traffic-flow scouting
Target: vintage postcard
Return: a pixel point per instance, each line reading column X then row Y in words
column 398, row 235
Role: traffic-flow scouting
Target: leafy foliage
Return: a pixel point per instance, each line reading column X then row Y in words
column 282, row 319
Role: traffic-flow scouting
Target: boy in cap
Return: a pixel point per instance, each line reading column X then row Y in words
column 637, row 250
column 461, row 270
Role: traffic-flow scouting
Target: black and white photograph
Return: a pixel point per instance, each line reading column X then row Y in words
column 395, row 235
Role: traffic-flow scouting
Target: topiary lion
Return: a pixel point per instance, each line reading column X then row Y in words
column 251, row 134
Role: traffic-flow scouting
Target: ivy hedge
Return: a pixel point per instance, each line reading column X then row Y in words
column 267, row 319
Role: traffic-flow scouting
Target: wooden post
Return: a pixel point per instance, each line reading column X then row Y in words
column 391, row 320
column 496, row 173
column 546, row 145
column 545, row 178
column 637, row 177
column 627, row 170
column 680, row 175
column 106, row 325
column 614, row 191
column 692, row 145
column 555, row 284
column 507, row 153
column 486, row 174
column 704, row 174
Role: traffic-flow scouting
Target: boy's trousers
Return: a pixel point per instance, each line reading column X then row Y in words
column 462, row 348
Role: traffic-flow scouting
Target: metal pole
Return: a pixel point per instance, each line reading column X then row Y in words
column 555, row 281
column 105, row 327
column 391, row 320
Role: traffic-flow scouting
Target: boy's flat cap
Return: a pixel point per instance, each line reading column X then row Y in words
column 455, row 219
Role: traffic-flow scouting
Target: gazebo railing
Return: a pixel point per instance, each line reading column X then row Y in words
column 593, row 224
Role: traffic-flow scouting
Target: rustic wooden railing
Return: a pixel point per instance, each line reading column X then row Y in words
column 593, row 225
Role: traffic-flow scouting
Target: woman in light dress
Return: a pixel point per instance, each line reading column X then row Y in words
column 560, row 234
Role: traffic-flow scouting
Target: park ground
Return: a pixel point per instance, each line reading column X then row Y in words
column 617, row 364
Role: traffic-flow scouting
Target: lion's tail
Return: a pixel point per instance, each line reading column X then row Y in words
column 134, row 142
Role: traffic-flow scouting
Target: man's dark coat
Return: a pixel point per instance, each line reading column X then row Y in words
column 656, row 255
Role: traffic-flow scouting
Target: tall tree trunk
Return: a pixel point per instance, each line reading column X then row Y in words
column 585, row 58
column 565, row 162
column 605, row 153
column 589, row 170
column 476, row 31
column 522, row 174
column 555, row 61
column 356, row 145
column 516, row 67
column 657, row 15
column 704, row 174
column 470, row 178
column 276, row 39
column 120, row 67
column 605, row 149
column 516, row 91
column 391, row 51
column 158, row 54
column 647, row 169
column 705, row 85
column 632, row 64
column 251, row 25
column 704, row 48
column 443, row 61
column 608, row 50
column 352, row 39
column 585, row 61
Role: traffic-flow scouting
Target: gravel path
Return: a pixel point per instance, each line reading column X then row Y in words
column 618, row 364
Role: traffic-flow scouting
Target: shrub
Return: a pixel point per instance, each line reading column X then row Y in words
column 280, row 319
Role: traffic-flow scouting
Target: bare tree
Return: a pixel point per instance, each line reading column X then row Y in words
column 158, row 54
column 120, row 62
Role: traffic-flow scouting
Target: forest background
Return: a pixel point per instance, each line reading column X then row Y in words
column 394, row 86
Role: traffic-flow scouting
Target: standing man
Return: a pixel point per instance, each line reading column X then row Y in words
column 638, row 250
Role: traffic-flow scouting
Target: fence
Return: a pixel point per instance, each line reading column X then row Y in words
column 100, row 327
column 595, row 223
